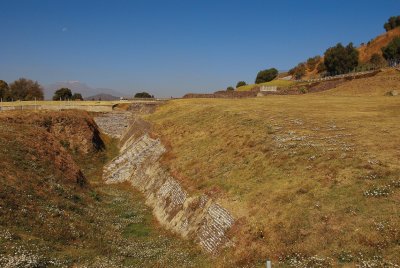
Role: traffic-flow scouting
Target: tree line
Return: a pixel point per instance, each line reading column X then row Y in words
column 27, row 90
column 21, row 89
column 66, row 94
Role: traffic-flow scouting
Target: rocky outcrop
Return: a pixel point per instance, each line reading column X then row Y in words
column 194, row 217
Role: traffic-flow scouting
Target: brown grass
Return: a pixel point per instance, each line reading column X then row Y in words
column 367, row 50
column 296, row 171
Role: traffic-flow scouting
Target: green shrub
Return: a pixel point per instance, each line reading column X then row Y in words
column 392, row 50
column 377, row 60
column 266, row 75
column 240, row 84
column 230, row 89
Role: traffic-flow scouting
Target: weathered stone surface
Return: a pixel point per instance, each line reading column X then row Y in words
column 196, row 217
column 114, row 124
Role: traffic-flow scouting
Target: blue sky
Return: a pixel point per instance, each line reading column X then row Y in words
column 173, row 47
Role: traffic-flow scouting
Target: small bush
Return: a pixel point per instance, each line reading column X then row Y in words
column 392, row 50
column 299, row 71
column 230, row 89
column 303, row 90
column 266, row 75
column 240, row 84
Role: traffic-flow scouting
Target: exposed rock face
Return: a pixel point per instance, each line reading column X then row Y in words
column 195, row 217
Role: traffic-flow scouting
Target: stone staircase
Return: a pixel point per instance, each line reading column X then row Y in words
column 193, row 217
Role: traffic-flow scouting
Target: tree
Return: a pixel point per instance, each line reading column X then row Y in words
column 25, row 89
column 340, row 59
column 77, row 96
column 392, row 50
column 3, row 90
column 377, row 60
column 313, row 62
column 143, row 95
column 62, row 94
column 266, row 75
column 392, row 23
column 230, row 89
column 299, row 71
column 240, row 84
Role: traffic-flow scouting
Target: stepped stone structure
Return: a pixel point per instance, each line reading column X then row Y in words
column 194, row 217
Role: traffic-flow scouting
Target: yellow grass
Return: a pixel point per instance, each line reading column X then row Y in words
column 277, row 82
column 296, row 171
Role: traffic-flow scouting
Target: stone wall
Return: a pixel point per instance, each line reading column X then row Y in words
column 193, row 217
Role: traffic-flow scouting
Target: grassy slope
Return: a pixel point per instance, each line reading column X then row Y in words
column 377, row 85
column 47, row 219
column 298, row 172
column 278, row 83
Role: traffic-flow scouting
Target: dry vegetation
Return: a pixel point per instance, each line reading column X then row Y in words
column 313, row 180
column 375, row 45
column 55, row 211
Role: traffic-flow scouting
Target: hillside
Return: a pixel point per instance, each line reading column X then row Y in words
column 377, row 85
column 55, row 210
column 366, row 50
column 375, row 45
column 312, row 180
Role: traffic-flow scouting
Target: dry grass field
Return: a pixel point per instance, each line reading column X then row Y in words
column 313, row 180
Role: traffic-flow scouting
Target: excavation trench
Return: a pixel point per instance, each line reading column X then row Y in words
column 193, row 217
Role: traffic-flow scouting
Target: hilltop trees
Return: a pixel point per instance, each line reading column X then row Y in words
column 240, row 84
column 313, row 62
column 340, row 59
column 392, row 23
column 392, row 50
column 230, row 89
column 25, row 89
column 266, row 75
column 299, row 71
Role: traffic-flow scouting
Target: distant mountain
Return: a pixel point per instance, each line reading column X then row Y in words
column 102, row 96
column 78, row 87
